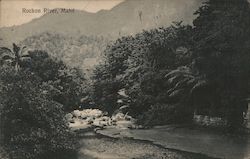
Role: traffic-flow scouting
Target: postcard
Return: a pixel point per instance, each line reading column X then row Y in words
column 124, row 79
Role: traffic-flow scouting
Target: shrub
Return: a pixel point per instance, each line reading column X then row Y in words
column 32, row 124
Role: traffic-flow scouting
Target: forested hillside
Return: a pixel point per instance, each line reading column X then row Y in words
column 82, row 52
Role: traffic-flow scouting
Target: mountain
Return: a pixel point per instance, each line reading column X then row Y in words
column 81, row 52
column 128, row 17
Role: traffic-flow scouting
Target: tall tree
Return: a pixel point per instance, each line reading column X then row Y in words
column 222, row 54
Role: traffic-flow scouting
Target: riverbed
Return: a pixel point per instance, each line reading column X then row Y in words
column 96, row 146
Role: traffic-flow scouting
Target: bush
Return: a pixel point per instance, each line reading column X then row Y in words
column 32, row 124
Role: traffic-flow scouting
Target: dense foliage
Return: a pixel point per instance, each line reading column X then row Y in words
column 68, row 84
column 33, row 100
column 31, row 122
column 167, row 74
column 139, row 65
column 221, row 32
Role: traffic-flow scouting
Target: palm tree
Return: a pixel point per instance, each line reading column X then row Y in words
column 183, row 78
column 14, row 56
column 183, row 83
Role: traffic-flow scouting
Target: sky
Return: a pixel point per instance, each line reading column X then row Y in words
column 11, row 10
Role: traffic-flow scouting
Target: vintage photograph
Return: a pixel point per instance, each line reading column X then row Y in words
column 124, row 79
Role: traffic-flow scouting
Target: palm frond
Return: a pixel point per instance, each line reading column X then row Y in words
column 176, row 92
column 179, row 85
column 7, row 57
column 182, row 82
column 199, row 84
column 179, row 71
column 5, row 49
column 172, row 79
column 190, row 81
column 23, row 50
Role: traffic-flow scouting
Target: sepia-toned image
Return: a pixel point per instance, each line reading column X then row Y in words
column 124, row 79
